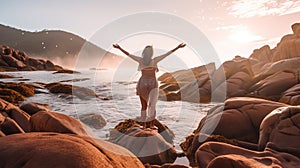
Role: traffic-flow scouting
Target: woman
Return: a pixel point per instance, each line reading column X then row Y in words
column 147, row 87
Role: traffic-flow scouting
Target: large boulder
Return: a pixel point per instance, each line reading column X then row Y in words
column 247, row 114
column 13, row 62
column 34, row 107
column 217, row 154
column 44, row 121
column 11, row 96
column 80, row 92
column 263, row 54
column 19, row 116
column 185, row 84
column 61, row 150
column 278, row 144
column 291, row 96
column 282, row 128
column 9, row 126
column 291, row 65
column 24, row 89
column 188, row 75
column 242, row 114
column 93, row 120
column 289, row 46
column 150, row 146
column 274, row 85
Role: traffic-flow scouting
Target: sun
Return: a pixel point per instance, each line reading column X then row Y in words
column 243, row 35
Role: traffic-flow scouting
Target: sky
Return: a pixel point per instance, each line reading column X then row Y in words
column 233, row 27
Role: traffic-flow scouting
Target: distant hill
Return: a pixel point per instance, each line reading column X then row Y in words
column 58, row 46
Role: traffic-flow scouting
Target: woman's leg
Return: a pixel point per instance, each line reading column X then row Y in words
column 143, row 111
column 153, row 96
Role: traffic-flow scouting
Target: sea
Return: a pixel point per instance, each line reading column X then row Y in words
column 117, row 89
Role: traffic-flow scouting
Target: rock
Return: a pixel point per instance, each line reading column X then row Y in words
column 167, row 165
column 183, row 76
column 66, row 71
column 273, row 86
column 2, row 134
column 11, row 61
column 34, row 107
column 296, row 28
column 49, row 65
column 3, row 76
column 243, row 115
column 217, row 154
column 236, row 85
column 38, row 64
column 75, row 80
column 44, row 121
column 11, row 96
column 150, row 146
column 263, row 54
column 247, row 114
column 14, row 60
column 9, row 126
column 7, row 51
column 281, row 128
column 288, row 47
column 7, row 68
column 288, row 65
column 24, row 89
column 60, row 150
column 3, row 62
column 80, row 92
column 291, row 96
column 185, row 84
column 12, row 111
column 28, row 68
column 94, row 120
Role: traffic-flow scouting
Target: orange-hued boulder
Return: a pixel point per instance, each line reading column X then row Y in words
column 289, row 46
column 60, row 150
column 217, row 154
column 274, row 85
column 167, row 165
column 278, row 144
column 150, row 146
column 238, row 118
column 241, row 114
column 9, row 126
column 14, row 60
column 263, row 54
column 2, row 134
column 291, row 96
column 18, row 115
column 44, row 121
column 185, row 84
column 237, row 85
column 34, row 107
column 187, row 75
column 80, row 92
column 282, row 128
column 288, row 65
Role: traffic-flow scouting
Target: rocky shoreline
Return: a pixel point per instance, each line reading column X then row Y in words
column 258, row 124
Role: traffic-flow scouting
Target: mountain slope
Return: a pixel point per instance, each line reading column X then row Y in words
column 59, row 46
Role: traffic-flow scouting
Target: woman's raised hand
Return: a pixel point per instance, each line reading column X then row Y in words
column 116, row 46
column 181, row 45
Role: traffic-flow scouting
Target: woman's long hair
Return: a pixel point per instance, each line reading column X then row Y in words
column 147, row 55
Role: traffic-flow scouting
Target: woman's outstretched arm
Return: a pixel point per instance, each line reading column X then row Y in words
column 161, row 57
column 135, row 58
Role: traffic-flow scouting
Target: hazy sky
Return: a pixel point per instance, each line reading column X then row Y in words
column 234, row 27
